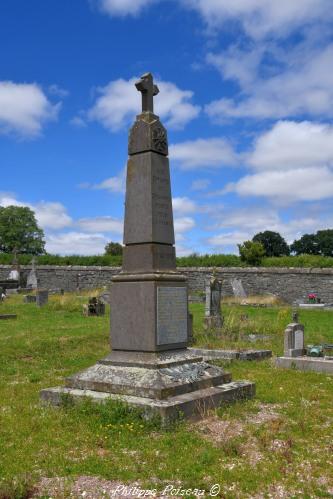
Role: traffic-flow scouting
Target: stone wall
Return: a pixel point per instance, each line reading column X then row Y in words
column 288, row 283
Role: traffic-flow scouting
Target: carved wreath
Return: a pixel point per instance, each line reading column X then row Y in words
column 159, row 139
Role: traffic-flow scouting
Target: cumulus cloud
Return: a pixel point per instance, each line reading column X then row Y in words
column 24, row 109
column 299, row 82
column 183, row 206
column 285, row 187
column 118, row 102
column 49, row 215
column 123, row 8
column 183, row 224
column 76, row 243
column 111, row 184
column 261, row 18
column 289, row 145
column 101, row 224
column 203, row 153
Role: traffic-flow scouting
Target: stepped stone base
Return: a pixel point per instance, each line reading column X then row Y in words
column 214, row 354
column 166, row 384
column 317, row 364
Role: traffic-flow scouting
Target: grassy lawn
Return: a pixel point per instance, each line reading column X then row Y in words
column 278, row 445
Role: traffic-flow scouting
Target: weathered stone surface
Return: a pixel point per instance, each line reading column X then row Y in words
column 294, row 340
column 319, row 365
column 147, row 257
column 42, row 297
column 137, row 329
column 8, row 316
column 29, row 299
column 148, row 206
column 210, row 354
column 148, row 134
column 191, row 405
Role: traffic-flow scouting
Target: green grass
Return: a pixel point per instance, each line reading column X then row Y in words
column 44, row 345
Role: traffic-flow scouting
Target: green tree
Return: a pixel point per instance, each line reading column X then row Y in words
column 251, row 252
column 114, row 249
column 325, row 242
column 19, row 231
column 273, row 243
column 306, row 245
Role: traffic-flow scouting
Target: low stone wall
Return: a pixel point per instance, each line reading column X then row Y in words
column 287, row 283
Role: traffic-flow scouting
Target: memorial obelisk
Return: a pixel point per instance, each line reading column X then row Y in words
column 149, row 365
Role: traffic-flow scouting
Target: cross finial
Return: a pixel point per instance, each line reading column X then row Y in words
column 146, row 86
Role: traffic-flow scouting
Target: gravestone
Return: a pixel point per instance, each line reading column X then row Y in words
column 213, row 316
column 29, row 299
column 32, row 281
column 294, row 340
column 42, row 297
column 95, row 307
column 237, row 288
column 14, row 274
column 149, row 365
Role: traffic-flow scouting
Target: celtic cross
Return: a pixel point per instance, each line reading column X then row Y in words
column 148, row 90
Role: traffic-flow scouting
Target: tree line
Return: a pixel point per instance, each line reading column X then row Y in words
column 20, row 233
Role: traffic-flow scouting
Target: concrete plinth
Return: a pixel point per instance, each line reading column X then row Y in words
column 319, row 365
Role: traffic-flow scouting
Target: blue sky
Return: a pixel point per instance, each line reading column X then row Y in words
column 246, row 92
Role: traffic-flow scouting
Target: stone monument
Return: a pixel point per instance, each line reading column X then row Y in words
column 149, row 365
column 294, row 340
column 238, row 288
column 95, row 307
column 32, row 281
column 213, row 316
column 42, row 297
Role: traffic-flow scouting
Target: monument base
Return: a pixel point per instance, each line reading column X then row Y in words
column 213, row 322
column 168, row 384
column 317, row 364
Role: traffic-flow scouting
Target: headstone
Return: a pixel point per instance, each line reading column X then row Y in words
column 29, row 299
column 213, row 316
column 294, row 340
column 14, row 274
column 32, row 281
column 95, row 307
column 150, row 365
column 42, row 297
column 237, row 288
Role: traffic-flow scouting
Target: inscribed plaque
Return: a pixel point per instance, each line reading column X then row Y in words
column 171, row 315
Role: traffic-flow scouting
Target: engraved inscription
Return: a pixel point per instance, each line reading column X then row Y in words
column 299, row 340
column 171, row 315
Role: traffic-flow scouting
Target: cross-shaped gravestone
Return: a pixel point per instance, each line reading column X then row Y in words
column 146, row 86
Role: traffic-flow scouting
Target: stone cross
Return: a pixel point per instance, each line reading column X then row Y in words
column 148, row 90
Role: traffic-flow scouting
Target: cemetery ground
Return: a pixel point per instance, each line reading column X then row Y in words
column 278, row 445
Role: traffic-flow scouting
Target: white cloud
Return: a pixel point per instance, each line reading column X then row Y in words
column 262, row 17
column 183, row 206
column 24, row 109
column 78, row 122
column 201, row 153
column 299, row 82
column 123, row 7
column 111, row 184
column 119, row 102
column 286, row 187
column 49, row 215
column 58, row 91
column 76, row 243
column 200, row 184
column 291, row 145
column 183, row 224
column 101, row 224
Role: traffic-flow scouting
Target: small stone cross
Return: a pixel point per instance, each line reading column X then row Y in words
column 146, row 86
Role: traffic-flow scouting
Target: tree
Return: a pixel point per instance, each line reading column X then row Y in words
column 19, row 231
column 113, row 249
column 306, row 245
column 273, row 243
column 251, row 252
column 325, row 242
